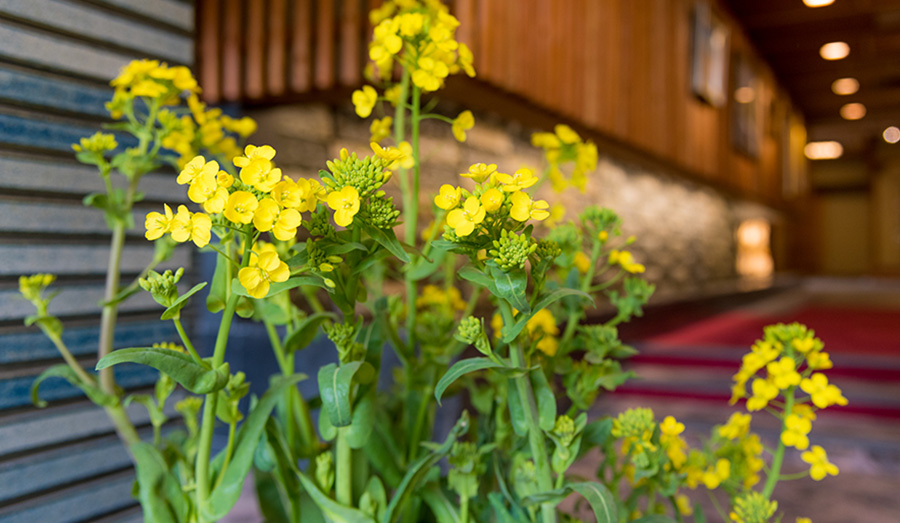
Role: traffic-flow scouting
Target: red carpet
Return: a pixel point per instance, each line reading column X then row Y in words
column 844, row 330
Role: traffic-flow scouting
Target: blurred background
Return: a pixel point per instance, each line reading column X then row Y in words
column 749, row 145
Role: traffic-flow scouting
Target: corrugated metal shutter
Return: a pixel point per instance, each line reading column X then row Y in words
column 64, row 463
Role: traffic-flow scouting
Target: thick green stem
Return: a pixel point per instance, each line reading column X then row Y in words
column 110, row 311
column 778, row 457
column 535, row 435
column 464, row 510
column 186, row 341
column 343, row 469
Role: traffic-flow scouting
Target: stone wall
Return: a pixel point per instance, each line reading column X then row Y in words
column 685, row 231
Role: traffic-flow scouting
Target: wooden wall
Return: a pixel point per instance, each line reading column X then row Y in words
column 64, row 463
column 615, row 69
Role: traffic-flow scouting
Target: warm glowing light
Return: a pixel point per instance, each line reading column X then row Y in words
column 891, row 134
column 754, row 259
column 744, row 95
column 853, row 111
column 845, row 86
column 834, row 50
column 817, row 3
column 823, row 150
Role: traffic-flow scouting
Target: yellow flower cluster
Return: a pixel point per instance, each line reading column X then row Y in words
column 670, row 437
column 625, row 260
column 434, row 296
column 497, row 195
column 562, row 147
column 150, row 79
column 421, row 35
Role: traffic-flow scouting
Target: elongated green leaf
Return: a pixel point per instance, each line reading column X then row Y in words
column 363, row 419
column 546, row 401
column 369, row 260
column 277, row 287
column 382, row 453
column 516, row 412
column 271, row 502
column 475, row 276
column 335, row 387
column 419, row 469
column 226, row 494
column 306, row 332
column 387, row 239
column 64, row 371
column 333, row 511
column 597, row 495
column 511, row 286
column 444, row 511
column 215, row 300
column 344, row 248
column 511, row 331
column 159, row 491
column 459, row 369
column 174, row 309
column 180, row 367
column 424, row 267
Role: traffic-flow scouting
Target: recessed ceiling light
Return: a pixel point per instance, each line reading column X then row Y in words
column 853, row 111
column 817, row 3
column 891, row 134
column 823, row 150
column 845, row 86
column 834, row 50
column 744, row 95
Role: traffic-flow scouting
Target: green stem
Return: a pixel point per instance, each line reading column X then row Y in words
column 674, row 503
column 228, row 452
column 70, row 359
column 343, row 469
column 110, row 311
column 535, row 435
column 464, row 509
column 717, row 506
column 575, row 315
column 778, row 457
column 187, row 342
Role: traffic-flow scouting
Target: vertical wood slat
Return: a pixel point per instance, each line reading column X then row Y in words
column 325, row 55
column 276, row 47
column 232, row 50
column 255, row 48
column 209, row 49
column 301, row 46
column 351, row 19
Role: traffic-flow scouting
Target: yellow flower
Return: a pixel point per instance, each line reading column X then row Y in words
column 461, row 124
column 492, row 199
column 318, row 191
column 626, row 261
column 545, row 141
column 393, row 156
column 257, row 277
column 285, row 227
column 542, row 326
column 429, row 73
column 224, row 180
column 392, row 94
column 804, row 345
column 684, row 505
column 566, row 134
column 287, row 193
column 364, row 100
column 463, row 220
column 521, row 179
column 671, row 427
column 714, row 476
column 738, row 426
column 795, row 432
column 243, row 127
column 819, row 464
column 819, row 360
column 823, row 394
column 158, row 224
column 265, row 215
column 465, row 59
column 763, row 392
column 407, row 161
column 523, row 207
column 804, row 411
column 802, row 520
column 448, row 197
column 309, row 194
column 97, row 143
column 783, row 373
column 480, row 172
column 240, row 207
column 198, row 167
column 345, row 204
column 381, row 129
column 191, row 226
column 411, row 24
column 582, row 262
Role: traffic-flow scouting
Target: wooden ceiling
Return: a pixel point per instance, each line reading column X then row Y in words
column 788, row 34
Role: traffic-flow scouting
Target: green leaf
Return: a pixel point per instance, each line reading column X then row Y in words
column 122, row 295
column 546, row 401
column 174, row 310
column 344, row 248
column 333, row 511
column 510, row 332
column 387, row 239
column 459, row 369
column 271, row 503
column 335, row 385
column 443, row 509
column 159, row 491
column 423, row 267
column 597, row 432
column 226, row 494
column 326, row 429
column 179, row 366
column 511, row 286
column 369, row 261
column 500, row 510
column 363, row 419
column 419, row 469
column 67, row 373
column 654, row 518
column 476, row 276
column 307, row 330
column 599, row 498
column 516, row 412
column 156, row 414
column 215, row 301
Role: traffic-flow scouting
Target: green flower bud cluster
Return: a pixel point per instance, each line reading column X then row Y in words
column 97, row 143
column 567, row 237
column 465, row 468
column 317, row 260
column 566, row 435
column 471, row 331
column 524, row 477
column 380, row 211
column 753, row 507
column 584, row 381
column 634, row 423
column 564, row 429
column 319, row 223
column 33, row 287
column 343, row 335
column 601, row 342
column 547, row 250
column 601, row 219
column 227, row 407
column 366, row 174
column 512, row 250
column 325, row 471
column 163, row 286
column 189, row 408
